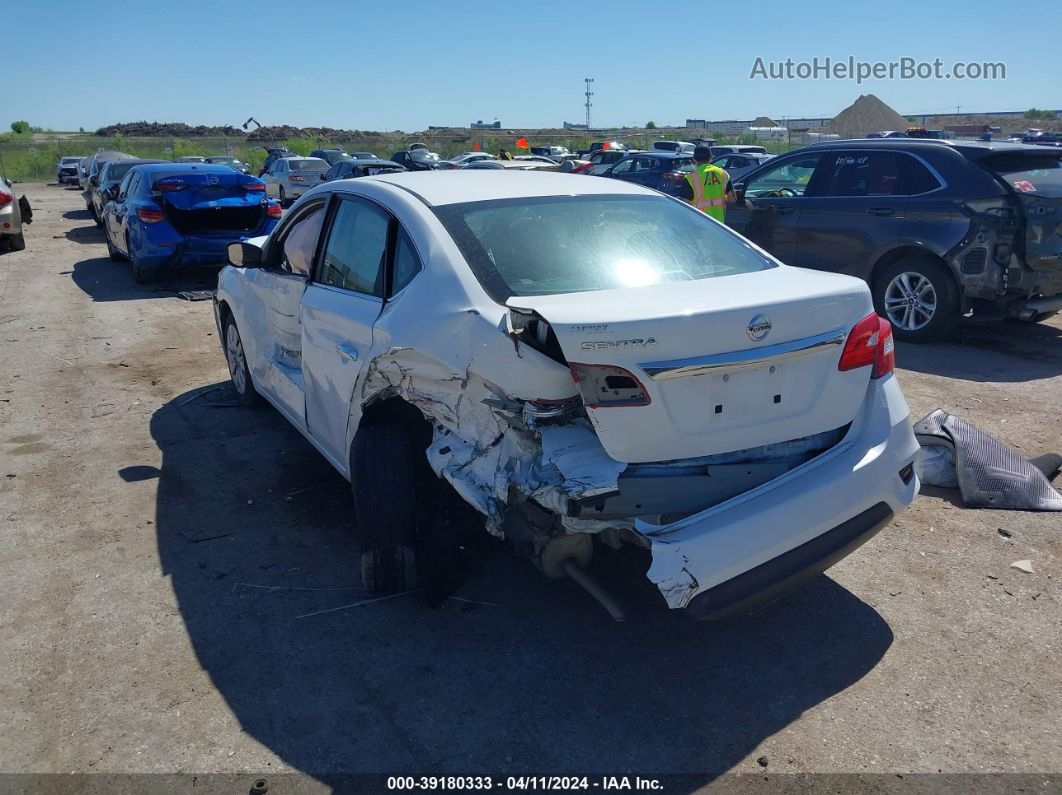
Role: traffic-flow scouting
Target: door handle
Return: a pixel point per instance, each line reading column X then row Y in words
column 347, row 351
column 880, row 211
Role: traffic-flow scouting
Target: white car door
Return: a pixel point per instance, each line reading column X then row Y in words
column 339, row 308
column 272, row 313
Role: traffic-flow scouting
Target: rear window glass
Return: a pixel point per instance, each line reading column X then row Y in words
column 1028, row 173
column 119, row 170
column 544, row 246
column 309, row 164
column 682, row 164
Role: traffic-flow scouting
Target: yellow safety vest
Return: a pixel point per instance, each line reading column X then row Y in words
column 709, row 190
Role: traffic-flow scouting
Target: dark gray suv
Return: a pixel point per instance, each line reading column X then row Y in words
column 937, row 228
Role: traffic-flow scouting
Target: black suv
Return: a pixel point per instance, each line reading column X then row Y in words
column 937, row 228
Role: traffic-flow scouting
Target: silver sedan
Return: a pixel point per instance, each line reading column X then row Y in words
column 289, row 177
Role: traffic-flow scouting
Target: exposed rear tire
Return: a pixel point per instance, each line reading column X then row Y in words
column 17, row 242
column 112, row 252
column 237, row 362
column 392, row 485
column 919, row 297
column 282, row 199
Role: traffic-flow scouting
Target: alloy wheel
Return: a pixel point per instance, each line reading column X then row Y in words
column 234, row 353
column 910, row 301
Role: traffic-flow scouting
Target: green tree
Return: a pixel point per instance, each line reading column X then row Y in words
column 20, row 127
column 650, row 125
column 1031, row 113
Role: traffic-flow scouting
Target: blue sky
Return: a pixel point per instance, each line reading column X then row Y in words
column 410, row 64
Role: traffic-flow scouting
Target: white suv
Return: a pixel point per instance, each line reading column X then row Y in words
column 578, row 359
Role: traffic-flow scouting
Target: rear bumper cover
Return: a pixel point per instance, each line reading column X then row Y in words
column 752, row 547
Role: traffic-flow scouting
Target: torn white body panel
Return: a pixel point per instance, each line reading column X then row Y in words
column 701, row 551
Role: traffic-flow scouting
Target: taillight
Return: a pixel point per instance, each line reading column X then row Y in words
column 254, row 186
column 673, row 174
column 606, row 386
column 150, row 216
column 885, row 360
column 6, row 198
column 168, row 187
column 869, row 342
column 295, row 178
column 274, row 211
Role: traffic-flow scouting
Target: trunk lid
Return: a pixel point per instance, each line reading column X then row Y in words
column 1035, row 177
column 726, row 364
column 212, row 203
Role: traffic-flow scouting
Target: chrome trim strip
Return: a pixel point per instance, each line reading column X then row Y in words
column 702, row 365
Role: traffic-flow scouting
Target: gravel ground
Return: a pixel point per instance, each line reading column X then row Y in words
column 161, row 549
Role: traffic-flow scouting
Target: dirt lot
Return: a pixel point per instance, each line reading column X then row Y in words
column 160, row 552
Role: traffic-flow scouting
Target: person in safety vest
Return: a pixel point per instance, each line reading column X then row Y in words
column 707, row 187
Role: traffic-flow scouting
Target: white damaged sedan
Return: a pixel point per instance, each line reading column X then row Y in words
column 579, row 359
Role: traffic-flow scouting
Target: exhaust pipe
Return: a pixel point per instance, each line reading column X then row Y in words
column 592, row 586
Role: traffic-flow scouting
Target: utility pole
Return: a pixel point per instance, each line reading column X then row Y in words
column 589, row 104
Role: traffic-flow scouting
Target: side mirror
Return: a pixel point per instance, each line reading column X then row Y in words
column 245, row 255
column 324, row 178
column 94, row 181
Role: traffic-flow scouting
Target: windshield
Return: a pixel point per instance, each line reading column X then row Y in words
column 568, row 244
column 118, row 170
column 1036, row 173
column 67, row 161
column 309, row 164
column 222, row 160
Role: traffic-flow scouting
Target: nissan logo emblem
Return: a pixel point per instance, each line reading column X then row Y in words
column 759, row 327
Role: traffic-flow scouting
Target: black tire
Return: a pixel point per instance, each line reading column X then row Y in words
column 96, row 217
column 909, row 286
column 239, row 373
column 17, row 242
column 112, row 252
column 281, row 199
column 141, row 274
column 393, row 489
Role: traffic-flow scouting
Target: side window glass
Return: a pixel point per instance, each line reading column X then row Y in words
column 623, row 167
column 862, row 174
column 407, row 263
column 790, row 178
column 915, row 178
column 355, row 250
column 300, row 242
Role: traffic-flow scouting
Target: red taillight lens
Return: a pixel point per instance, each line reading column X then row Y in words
column 150, row 216
column 6, row 198
column 885, row 360
column 168, row 187
column 295, row 178
column 869, row 342
column 605, row 386
column 274, row 211
column 254, row 186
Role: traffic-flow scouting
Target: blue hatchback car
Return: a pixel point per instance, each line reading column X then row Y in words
column 184, row 214
column 663, row 171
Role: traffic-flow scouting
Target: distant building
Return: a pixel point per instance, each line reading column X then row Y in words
column 568, row 125
column 484, row 125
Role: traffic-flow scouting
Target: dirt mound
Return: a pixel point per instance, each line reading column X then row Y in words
column 763, row 121
column 866, row 114
column 156, row 129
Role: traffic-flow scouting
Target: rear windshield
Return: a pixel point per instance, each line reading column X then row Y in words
column 1028, row 173
column 118, row 170
column 682, row 164
column 560, row 244
column 310, row 164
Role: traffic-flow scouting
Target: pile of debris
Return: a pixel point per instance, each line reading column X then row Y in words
column 867, row 114
column 282, row 132
column 156, row 129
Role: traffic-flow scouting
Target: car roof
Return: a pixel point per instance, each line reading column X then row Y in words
column 660, row 153
column 971, row 149
column 469, row 185
column 367, row 162
column 167, row 167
